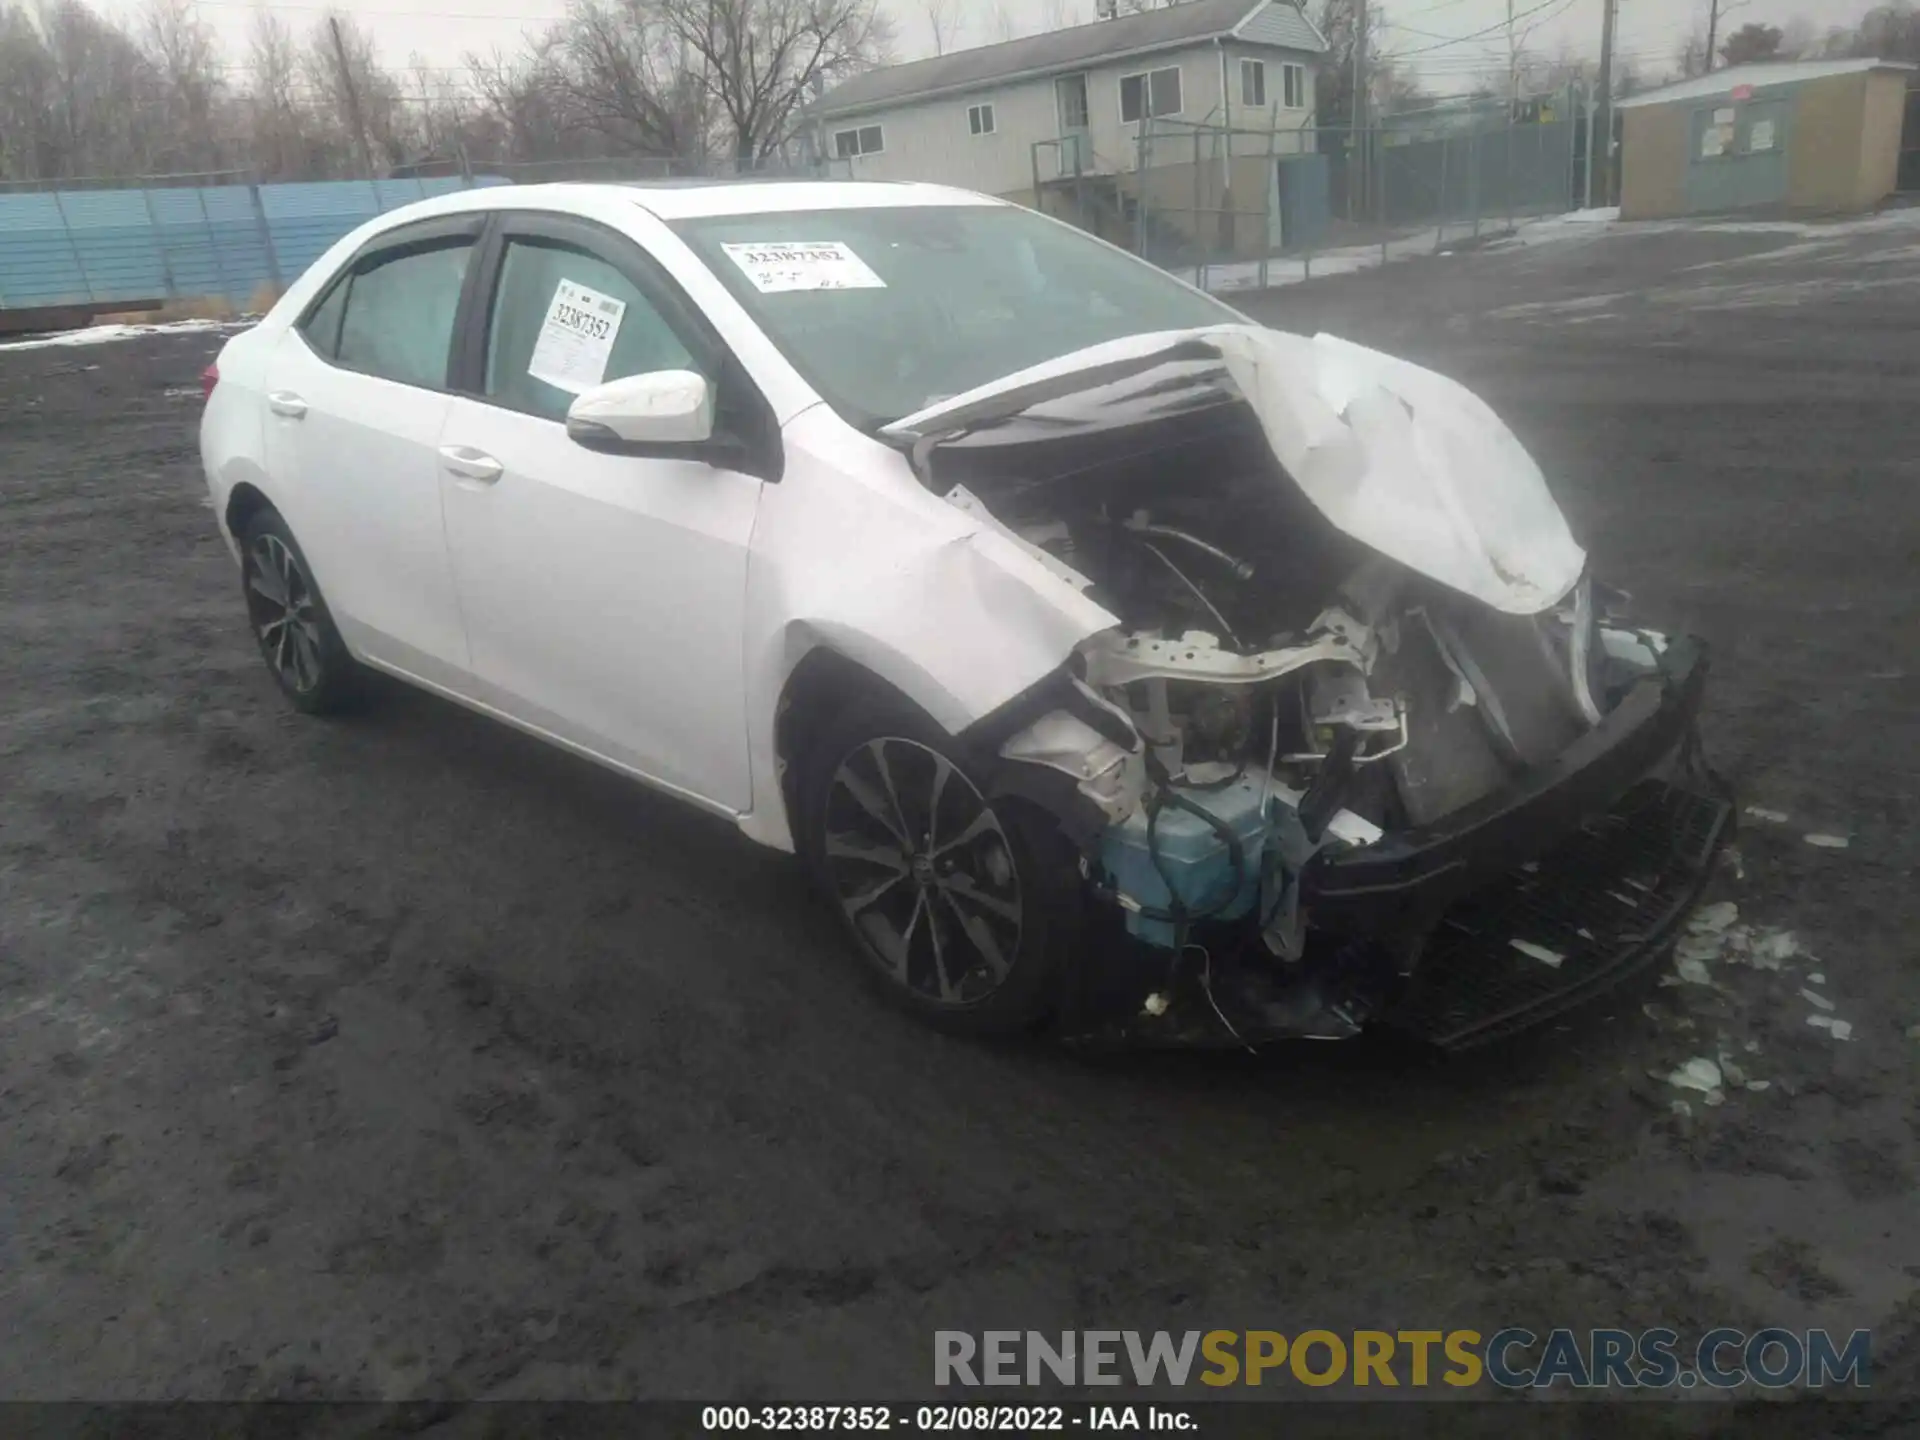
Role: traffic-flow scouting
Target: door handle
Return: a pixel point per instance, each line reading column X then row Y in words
column 285, row 402
column 471, row 464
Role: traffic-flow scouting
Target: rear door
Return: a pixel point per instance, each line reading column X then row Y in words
column 604, row 594
column 357, row 394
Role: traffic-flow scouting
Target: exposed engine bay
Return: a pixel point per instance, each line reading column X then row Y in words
column 1278, row 694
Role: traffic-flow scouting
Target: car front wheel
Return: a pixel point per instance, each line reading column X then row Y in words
column 964, row 908
column 295, row 632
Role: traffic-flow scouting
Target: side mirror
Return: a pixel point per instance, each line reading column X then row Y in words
column 659, row 408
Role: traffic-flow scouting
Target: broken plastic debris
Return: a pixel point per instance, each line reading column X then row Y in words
column 1692, row 970
column 1680, row 1108
column 1842, row 1029
column 1711, row 919
column 1819, row 1002
column 1772, row 817
column 1759, row 1085
column 1699, row 1073
column 1816, row 978
column 1773, row 947
column 1538, row 952
column 1828, row 842
column 1731, row 1072
column 1156, row 1004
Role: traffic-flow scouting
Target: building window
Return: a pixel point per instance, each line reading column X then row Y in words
column 980, row 119
column 867, row 140
column 1253, row 83
column 1156, row 92
column 1294, row 83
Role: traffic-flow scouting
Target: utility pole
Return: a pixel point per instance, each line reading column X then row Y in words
column 1513, row 64
column 1357, row 138
column 1715, row 10
column 1601, row 133
column 353, row 95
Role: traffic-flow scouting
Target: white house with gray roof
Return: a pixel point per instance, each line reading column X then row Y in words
column 1073, row 102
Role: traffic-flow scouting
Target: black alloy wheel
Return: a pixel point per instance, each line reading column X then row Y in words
column 296, row 634
column 964, row 906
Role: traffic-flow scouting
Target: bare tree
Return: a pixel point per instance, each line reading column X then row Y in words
column 942, row 24
column 29, row 145
column 760, row 60
column 1339, row 22
column 1001, row 24
column 1797, row 40
column 624, row 74
column 182, row 48
column 347, row 78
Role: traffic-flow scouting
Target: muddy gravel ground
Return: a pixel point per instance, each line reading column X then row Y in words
column 400, row 1057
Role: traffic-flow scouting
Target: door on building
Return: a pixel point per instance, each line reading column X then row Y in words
column 1076, row 148
column 1739, row 156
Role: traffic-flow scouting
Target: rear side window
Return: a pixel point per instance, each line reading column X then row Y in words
column 625, row 334
column 399, row 309
column 322, row 325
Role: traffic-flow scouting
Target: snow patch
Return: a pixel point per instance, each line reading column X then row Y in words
column 108, row 334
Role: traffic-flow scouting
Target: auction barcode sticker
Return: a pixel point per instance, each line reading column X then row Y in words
column 576, row 338
column 812, row 265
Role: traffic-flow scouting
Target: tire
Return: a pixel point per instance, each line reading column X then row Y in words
column 966, row 912
column 291, row 623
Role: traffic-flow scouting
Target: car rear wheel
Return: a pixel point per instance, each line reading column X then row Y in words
column 964, row 909
column 296, row 634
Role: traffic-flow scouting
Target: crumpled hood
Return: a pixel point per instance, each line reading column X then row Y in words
column 1402, row 459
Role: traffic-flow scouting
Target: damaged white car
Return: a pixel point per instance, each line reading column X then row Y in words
column 1110, row 660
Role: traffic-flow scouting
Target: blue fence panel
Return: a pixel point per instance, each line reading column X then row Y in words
column 113, row 244
column 81, row 247
column 38, row 264
column 239, row 241
column 304, row 220
column 183, row 234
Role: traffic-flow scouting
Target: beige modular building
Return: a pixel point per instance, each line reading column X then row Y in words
column 1813, row 137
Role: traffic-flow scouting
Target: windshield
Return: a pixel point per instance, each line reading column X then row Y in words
column 887, row 311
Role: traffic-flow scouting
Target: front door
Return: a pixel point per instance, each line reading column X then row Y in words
column 1076, row 151
column 604, row 594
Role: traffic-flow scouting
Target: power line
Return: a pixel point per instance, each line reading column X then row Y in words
column 1563, row 6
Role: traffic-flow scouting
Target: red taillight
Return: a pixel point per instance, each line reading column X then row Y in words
column 209, row 378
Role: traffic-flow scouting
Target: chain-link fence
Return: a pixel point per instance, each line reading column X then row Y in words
column 1250, row 207
column 1235, row 206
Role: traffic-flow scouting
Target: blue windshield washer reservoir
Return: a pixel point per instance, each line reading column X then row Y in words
column 1193, row 853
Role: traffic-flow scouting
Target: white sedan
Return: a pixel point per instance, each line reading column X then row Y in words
column 1108, row 658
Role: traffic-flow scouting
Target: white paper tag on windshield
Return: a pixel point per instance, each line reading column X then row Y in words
column 826, row 265
column 576, row 338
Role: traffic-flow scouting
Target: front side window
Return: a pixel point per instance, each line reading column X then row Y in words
column 399, row 312
column 980, row 119
column 1156, row 92
column 849, row 144
column 1295, row 80
column 1253, row 83
column 886, row 310
column 565, row 320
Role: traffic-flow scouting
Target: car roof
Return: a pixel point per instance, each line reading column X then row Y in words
column 693, row 199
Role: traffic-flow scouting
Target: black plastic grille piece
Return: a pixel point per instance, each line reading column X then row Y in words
column 1606, row 902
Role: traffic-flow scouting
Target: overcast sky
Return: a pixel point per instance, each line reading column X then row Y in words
column 1649, row 29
